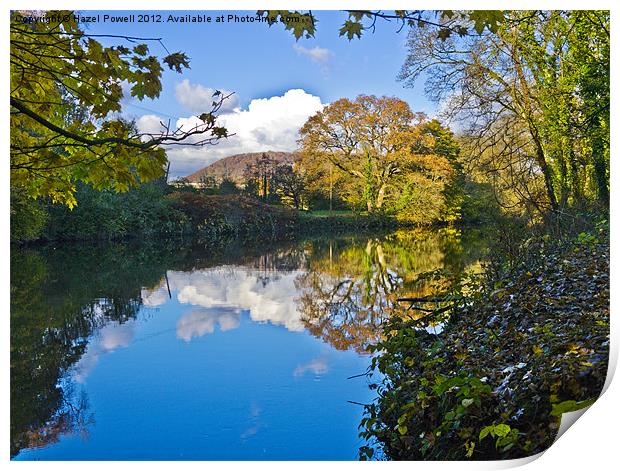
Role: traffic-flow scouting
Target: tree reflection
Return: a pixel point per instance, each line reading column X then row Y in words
column 59, row 298
column 351, row 286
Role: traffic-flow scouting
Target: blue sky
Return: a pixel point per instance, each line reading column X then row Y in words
column 258, row 62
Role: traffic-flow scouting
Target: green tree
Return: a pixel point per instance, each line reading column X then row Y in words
column 259, row 178
column 526, row 94
column 290, row 184
column 66, row 91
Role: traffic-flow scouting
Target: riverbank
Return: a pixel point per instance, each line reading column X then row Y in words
column 156, row 211
column 490, row 376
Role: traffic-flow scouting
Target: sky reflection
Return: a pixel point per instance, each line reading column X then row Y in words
column 225, row 292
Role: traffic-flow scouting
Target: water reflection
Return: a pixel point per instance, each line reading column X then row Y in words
column 203, row 321
column 267, row 294
column 71, row 307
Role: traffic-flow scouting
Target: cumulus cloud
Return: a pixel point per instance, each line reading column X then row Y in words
column 150, row 124
column 199, row 99
column 225, row 292
column 267, row 124
column 318, row 55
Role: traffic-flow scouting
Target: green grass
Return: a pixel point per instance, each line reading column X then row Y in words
column 325, row 213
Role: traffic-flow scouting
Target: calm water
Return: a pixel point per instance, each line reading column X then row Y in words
column 208, row 353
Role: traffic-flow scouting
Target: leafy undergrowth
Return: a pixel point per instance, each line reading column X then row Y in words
column 513, row 355
column 214, row 216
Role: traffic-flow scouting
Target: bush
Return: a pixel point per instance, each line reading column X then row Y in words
column 232, row 215
column 28, row 216
column 110, row 215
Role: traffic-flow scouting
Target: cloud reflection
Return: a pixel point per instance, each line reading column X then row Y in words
column 318, row 366
column 267, row 297
column 200, row 322
column 110, row 337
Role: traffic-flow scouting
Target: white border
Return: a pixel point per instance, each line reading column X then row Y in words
column 591, row 444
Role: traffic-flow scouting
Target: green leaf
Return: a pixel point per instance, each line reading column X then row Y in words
column 485, row 431
column 350, row 29
column 470, row 446
column 570, row 406
column 502, row 430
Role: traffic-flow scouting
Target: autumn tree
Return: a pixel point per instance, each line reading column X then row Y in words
column 384, row 149
column 66, row 91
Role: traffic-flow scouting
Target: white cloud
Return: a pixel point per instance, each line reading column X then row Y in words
column 199, row 99
column 318, row 55
column 149, row 124
column 267, row 124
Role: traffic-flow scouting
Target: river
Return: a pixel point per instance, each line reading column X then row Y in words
column 236, row 351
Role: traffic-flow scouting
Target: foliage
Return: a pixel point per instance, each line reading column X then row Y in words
column 529, row 343
column 525, row 93
column 385, row 163
column 107, row 214
column 28, row 216
column 259, row 179
column 228, row 187
column 448, row 22
column 290, row 185
column 66, row 91
column 215, row 216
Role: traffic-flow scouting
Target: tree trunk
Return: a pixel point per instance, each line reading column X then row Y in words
column 380, row 196
column 600, row 171
column 542, row 163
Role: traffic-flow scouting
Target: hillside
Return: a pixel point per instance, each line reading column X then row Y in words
column 234, row 166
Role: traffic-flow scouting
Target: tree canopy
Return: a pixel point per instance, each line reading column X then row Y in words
column 386, row 154
column 66, row 126
column 533, row 97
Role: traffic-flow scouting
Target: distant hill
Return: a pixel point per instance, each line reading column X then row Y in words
column 233, row 167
